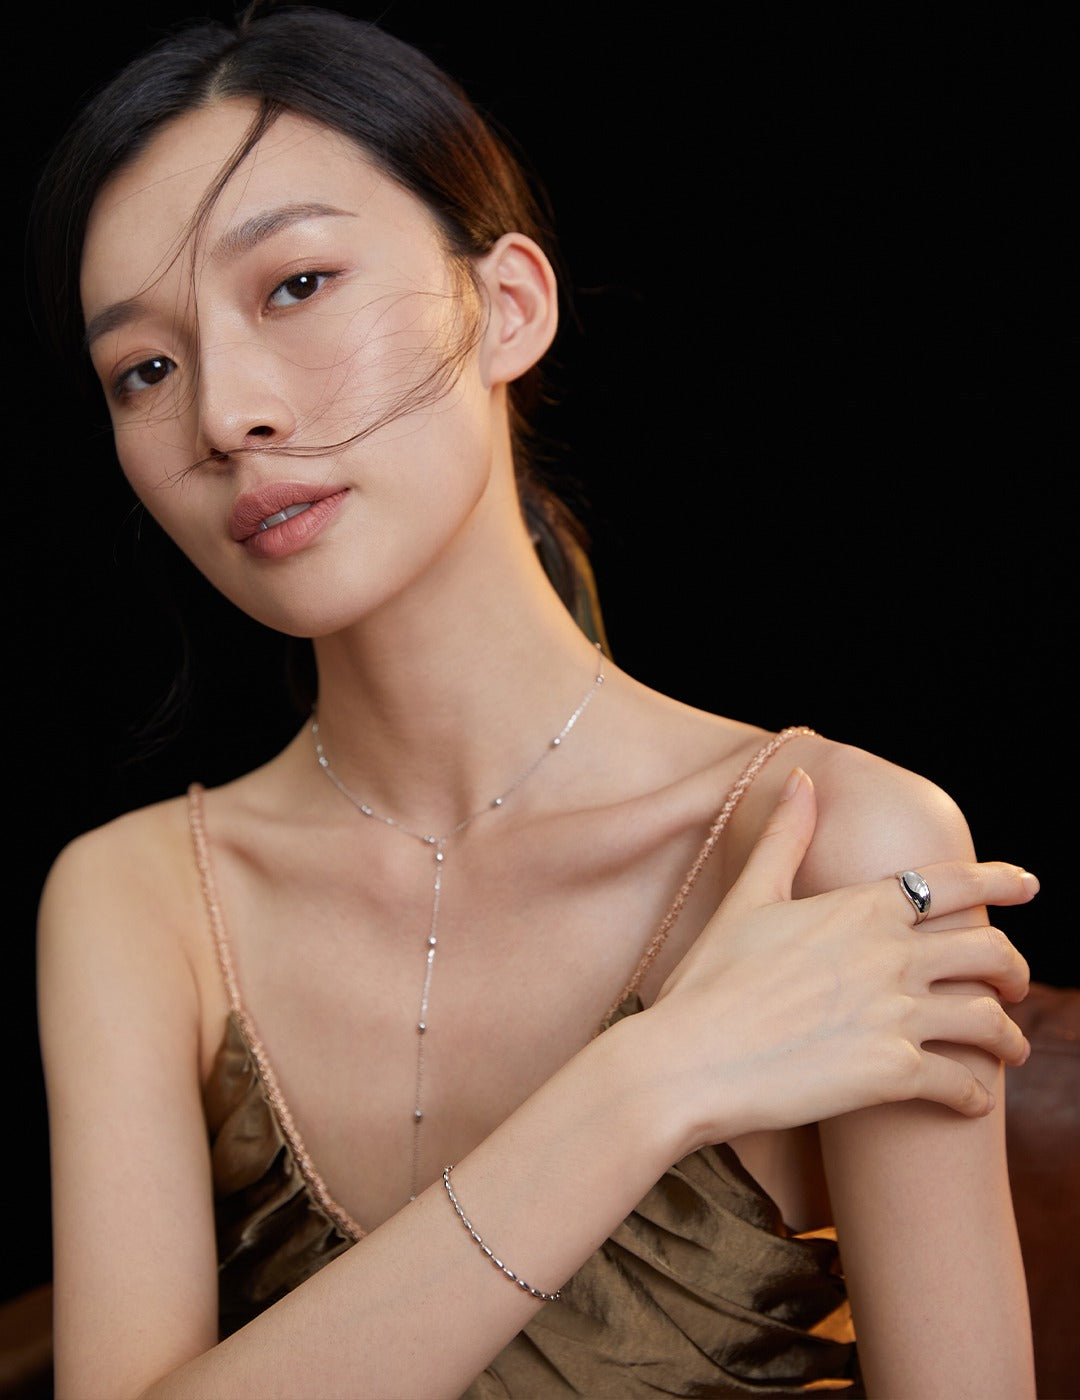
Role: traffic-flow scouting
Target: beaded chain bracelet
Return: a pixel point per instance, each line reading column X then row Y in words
column 525, row 1287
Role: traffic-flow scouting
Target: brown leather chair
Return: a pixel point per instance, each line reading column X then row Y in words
column 1043, row 1129
column 1043, row 1138
column 26, row 1345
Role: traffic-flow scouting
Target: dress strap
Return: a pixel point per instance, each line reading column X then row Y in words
column 197, row 825
column 734, row 797
column 263, row 1067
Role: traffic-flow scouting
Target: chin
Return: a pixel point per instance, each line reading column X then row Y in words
column 300, row 621
column 309, row 610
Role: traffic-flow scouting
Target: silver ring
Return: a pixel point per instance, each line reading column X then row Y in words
column 916, row 891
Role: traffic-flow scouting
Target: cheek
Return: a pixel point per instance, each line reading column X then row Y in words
column 395, row 358
column 158, row 468
column 155, row 449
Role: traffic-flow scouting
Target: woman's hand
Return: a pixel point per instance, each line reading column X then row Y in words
column 790, row 1011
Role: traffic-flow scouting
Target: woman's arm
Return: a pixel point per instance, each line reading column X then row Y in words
column 920, row 1195
column 416, row 1308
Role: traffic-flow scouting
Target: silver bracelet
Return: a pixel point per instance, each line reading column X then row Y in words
column 525, row 1287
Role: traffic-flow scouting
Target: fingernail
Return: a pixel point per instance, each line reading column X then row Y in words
column 795, row 777
column 1027, row 1051
column 1030, row 882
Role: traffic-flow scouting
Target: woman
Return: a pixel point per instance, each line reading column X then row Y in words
column 315, row 291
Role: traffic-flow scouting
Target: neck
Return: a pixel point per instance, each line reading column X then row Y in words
column 429, row 709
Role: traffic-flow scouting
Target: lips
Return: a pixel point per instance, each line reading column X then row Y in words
column 256, row 512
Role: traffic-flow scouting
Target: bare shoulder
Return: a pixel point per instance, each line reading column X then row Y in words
column 143, row 855
column 873, row 815
column 119, row 910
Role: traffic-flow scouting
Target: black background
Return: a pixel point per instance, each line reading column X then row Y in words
column 811, row 413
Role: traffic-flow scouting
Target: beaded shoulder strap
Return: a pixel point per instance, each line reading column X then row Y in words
column 734, row 797
column 267, row 1077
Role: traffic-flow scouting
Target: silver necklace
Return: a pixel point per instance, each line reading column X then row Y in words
column 438, row 845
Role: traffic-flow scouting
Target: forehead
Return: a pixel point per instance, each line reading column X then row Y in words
column 144, row 216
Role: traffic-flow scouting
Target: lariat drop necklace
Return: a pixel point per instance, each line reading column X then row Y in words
column 437, row 844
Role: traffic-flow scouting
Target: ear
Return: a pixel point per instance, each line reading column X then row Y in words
column 523, row 304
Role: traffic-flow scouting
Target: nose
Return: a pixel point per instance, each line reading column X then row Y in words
column 242, row 399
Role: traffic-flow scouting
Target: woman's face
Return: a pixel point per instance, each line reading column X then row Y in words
column 314, row 303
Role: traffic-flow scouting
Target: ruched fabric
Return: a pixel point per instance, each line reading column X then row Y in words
column 271, row 1232
column 701, row 1291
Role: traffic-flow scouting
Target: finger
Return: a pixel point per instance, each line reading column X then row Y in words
column 975, row 954
column 978, row 1021
column 767, row 876
column 956, row 885
column 947, row 1081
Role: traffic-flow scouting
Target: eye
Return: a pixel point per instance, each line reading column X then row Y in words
column 298, row 288
column 145, row 375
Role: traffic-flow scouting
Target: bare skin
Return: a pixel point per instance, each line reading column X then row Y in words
column 445, row 665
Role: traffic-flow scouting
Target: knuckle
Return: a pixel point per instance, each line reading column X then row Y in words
column 1002, row 952
column 1001, row 943
column 1011, row 963
column 991, row 1017
column 866, row 908
column 902, row 1064
column 970, row 1096
column 883, row 905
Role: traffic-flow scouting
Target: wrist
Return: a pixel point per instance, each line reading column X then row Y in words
column 660, row 1101
column 688, row 1097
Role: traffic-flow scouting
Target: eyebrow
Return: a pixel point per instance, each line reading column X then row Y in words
column 270, row 221
column 111, row 319
column 232, row 244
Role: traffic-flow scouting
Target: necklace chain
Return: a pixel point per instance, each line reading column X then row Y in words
column 438, row 844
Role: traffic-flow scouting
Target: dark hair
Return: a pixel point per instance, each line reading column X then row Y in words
column 412, row 120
